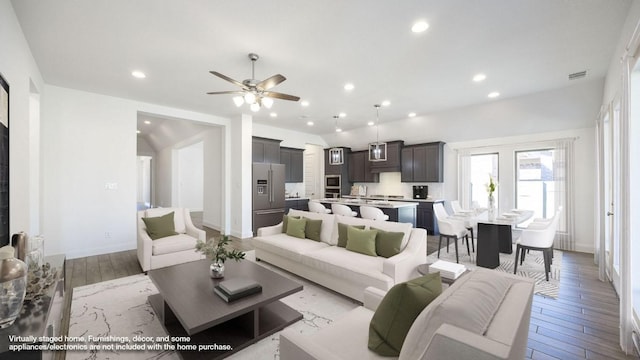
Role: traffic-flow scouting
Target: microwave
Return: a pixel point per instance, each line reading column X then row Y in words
column 332, row 181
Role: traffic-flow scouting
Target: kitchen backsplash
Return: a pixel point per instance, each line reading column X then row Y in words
column 390, row 184
column 291, row 189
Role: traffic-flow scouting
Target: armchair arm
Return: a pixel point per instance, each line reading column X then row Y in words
column 145, row 247
column 372, row 297
column 295, row 346
column 270, row 230
column 402, row 267
column 452, row 342
column 192, row 230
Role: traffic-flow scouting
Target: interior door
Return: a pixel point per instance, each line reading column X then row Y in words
column 313, row 162
column 612, row 195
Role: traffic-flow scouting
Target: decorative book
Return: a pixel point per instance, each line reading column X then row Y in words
column 237, row 288
column 447, row 269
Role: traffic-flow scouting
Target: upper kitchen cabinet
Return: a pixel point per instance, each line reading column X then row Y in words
column 293, row 160
column 265, row 150
column 393, row 163
column 423, row 163
column 360, row 168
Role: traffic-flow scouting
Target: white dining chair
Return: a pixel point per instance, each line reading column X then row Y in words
column 450, row 229
column 373, row 213
column 458, row 210
column 538, row 237
column 316, row 207
column 343, row 210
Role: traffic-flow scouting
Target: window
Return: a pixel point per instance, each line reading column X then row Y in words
column 535, row 185
column 483, row 166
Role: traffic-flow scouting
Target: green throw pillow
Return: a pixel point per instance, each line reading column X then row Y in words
column 398, row 310
column 295, row 227
column 285, row 221
column 362, row 241
column 388, row 243
column 342, row 233
column 161, row 226
column 312, row 229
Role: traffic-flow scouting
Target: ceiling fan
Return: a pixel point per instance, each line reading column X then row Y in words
column 255, row 93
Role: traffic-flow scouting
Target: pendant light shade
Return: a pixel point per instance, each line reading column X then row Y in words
column 377, row 150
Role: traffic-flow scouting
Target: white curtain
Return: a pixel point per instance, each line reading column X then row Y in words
column 563, row 174
column 464, row 178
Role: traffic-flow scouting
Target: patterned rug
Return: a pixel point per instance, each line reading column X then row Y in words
column 532, row 267
column 119, row 308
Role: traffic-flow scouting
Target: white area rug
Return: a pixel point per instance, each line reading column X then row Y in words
column 120, row 308
column 533, row 266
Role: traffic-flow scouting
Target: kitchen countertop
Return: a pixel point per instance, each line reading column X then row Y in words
column 390, row 198
column 370, row 202
column 296, row 198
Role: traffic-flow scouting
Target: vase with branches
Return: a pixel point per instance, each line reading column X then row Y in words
column 218, row 253
column 491, row 188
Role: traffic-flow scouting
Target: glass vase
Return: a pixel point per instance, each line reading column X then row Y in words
column 13, row 287
column 491, row 207
column 216, row 269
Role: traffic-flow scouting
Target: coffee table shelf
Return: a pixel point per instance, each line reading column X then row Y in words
column 238, row 324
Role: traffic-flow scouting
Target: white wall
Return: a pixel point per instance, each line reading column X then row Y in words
column 290, row 138
column 190, row 175
column 20, row 70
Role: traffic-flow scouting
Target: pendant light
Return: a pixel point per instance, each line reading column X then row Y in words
column 336, row 154
column 377, row 150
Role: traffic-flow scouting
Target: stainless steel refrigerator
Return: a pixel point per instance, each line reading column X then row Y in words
column 268, row 195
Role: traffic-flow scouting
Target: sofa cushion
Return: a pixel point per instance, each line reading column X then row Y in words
column 327, row 228
column 159, row 226
column 178, row 217
column 470, row 303
column 285, row 222
column 342, row 233
column 361, row 241
column 313, row 228
column 296, row 227
column 388, row 243
column 397, row 311
column 287, row 246
column 350, row 266
column 172, row 244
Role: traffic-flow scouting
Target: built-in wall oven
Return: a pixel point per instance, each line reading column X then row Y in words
column 332, row 186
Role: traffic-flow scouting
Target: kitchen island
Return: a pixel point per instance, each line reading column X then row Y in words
column 398, row 211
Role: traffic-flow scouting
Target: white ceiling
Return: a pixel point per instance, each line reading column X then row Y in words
column 522, row 46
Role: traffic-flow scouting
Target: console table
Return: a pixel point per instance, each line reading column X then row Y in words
column 39, row 317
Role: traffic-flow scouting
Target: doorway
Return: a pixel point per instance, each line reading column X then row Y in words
column 189, row 175
column 144, row 183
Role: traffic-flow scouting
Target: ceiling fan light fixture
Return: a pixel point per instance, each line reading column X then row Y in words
column 255, row 107
column 267, row 102
column 249, row 98
column 238, row 100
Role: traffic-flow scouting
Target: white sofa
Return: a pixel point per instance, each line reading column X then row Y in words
column 170, row 250
column 334, row 267
column 484, row 315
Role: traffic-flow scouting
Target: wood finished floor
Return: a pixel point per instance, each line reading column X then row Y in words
column 582, row 323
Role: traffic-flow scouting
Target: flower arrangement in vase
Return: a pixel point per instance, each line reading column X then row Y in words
column 491, row 188
column 218, row 253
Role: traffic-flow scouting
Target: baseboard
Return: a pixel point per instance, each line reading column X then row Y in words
column 79, row 253
column 212, row 226
column 241, row 235
column 583, row 248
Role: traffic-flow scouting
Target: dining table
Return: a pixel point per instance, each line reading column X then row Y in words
column 495, row 232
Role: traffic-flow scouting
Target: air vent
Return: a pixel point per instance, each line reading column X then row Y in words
column 578, row 75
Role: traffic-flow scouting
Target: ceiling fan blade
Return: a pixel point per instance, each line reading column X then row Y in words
column 225, row 92
column 282, row 96
column 225, row 77
column 270, row 82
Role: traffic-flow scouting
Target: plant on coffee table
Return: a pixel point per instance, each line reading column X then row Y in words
column 218, row 253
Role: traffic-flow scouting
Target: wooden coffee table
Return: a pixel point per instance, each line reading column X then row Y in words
column 187, row 306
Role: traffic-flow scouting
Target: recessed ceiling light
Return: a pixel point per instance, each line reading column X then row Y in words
column 419, row 26
column 479, row 77
column 494, row 94
column 304, row 103
column 386, row 103
column 338, row 130
column 342, row 115
column 310, row 123
column 138, row 131
column 147, row 122
column 412, row 114
column 273, row 114
column 349, row 86
column 138, row 74
column 370, row 123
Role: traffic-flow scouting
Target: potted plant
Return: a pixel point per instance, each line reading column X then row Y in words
column 218, row 253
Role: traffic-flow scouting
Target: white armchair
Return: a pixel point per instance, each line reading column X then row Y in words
column 450, row 229
column 170, row 250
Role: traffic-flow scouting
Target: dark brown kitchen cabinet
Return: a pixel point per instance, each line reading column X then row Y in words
column 393, row 163
column 423, row 163
column 360, row 168
column 265, row 150
column 293, row 160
